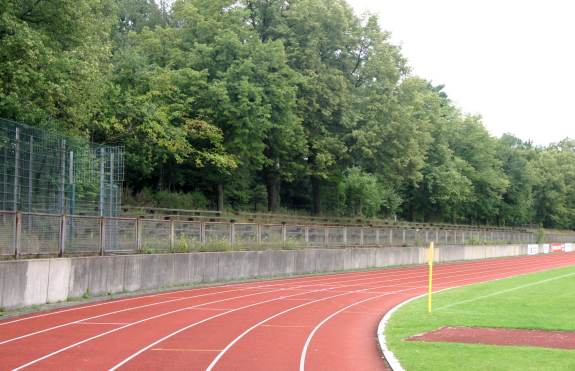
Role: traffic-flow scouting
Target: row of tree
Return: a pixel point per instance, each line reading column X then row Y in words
column 296, row 104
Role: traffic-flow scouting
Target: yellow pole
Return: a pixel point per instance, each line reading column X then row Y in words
column 430, row 293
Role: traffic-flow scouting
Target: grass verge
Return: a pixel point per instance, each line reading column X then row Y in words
column 544, row 300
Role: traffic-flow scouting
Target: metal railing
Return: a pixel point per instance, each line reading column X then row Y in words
column 34, row 235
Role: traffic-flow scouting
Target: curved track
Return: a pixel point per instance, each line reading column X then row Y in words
column 308, row 323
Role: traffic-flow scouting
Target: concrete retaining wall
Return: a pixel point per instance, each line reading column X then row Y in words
column 39, row 281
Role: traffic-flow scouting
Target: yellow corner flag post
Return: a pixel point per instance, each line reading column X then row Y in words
column 430, row 293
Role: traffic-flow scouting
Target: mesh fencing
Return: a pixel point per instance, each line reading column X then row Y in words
column 7, row 234
column 39, row 234
column 44, row 172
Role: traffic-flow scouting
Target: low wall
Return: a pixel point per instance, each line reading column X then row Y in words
column 39, row 281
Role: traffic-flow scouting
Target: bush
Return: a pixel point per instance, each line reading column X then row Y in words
column 167, row 200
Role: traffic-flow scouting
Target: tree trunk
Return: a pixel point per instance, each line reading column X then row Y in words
column 273, row 183
column 220, row 197
column 316, row 195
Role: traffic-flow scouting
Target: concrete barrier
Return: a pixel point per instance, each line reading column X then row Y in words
column 39, row 281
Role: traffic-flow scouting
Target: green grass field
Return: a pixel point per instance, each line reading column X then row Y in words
column 536, row 301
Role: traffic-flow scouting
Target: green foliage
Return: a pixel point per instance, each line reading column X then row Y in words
column 165, row 199
column 363, row 194
column 269, row 104
column 540, row 235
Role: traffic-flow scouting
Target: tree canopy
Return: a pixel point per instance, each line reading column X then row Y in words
column 270, row 104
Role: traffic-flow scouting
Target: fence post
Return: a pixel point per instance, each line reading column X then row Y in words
column 232, row 234
column 306, row 235
column 102, row 235
column 361, row 236
column 17, row 234
column 202, row 233
column 403, row 238
column 62, row 235
column 391, row 237
column 30, row 172
column 172, row 234
column 102, row 180
column 284, row 234
column 259, row 234
column 345, row 236
column 325, row 236
column 377, row 236
column 138, row 237
column 63, row 176
column 16, row 169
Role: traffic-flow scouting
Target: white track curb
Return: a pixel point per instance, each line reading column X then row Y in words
column 388, row 354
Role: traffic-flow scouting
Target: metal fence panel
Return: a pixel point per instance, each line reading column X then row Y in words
column 187, row 234
column 120, row 235
column 316, row 236
column 40, row 234
column 335, row 236
column 217, row 232
column 384, row 235
column 295, row 234
column 410, row 237
column 82, row 235
column 271, row 235
column 397, row 237
column 369, row 237
column 155, row 235
column 354, row 236
column 7, row 234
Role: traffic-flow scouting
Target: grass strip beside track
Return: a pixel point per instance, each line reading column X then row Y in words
column 544, row 300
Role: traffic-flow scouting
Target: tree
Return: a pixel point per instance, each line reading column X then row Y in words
column 53, row 62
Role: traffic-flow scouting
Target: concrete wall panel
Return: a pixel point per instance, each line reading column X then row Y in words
column 59, row 280
column 29, row 282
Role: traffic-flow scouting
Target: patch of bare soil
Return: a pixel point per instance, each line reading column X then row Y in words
column 500, row 336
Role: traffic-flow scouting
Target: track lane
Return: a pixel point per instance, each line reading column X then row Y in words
column 32, row 325
column 64, row 338
column 350, row 323
column 199, row 333
column 91, row 350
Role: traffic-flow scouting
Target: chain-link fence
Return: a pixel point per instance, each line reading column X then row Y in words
column 37, row 234
column 41, row 171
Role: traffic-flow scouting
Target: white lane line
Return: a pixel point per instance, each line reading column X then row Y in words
column 415, row 275
column 232, row 343
column 392, row 360
column 505, row 291
column 194, row 307
column 380, row 274
column 132, row 324
column 384, row 273
column 409, row 275
column 176, row 300
column 107, row 314
column 387, row 353
column 276, row 282
column 128, row 359
column 102, row 323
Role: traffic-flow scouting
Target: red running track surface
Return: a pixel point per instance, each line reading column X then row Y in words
column 324, row 322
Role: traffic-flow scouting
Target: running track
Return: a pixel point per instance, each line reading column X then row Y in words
column 308, row 323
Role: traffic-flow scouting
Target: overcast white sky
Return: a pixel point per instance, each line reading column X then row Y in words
column 511, row 61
